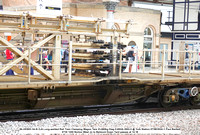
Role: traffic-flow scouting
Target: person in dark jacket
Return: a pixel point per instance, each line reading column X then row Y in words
column 65, row 59
column 131, row 57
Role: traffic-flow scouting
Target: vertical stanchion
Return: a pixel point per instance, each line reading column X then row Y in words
column 177, row 55
column 144, row 60
column 194, row 57
column 120, row 65
column 29, row 64
column 56, row 69
column 70, row 63
column 136, row 59
column 114, row 53
column 182, row 53
column 190, row 62
column 163, row 64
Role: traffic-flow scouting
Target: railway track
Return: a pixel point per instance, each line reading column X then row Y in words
column 38, row 114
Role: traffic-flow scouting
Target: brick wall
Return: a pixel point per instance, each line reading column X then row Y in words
column 13, row 3
column 16, row 3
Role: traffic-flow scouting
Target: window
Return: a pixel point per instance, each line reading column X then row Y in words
column 148, row 41
column 148, row 38
column 131, row 43
column 186, row 15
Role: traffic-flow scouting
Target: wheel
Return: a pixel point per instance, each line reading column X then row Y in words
column 161, row 95
column 195, row 96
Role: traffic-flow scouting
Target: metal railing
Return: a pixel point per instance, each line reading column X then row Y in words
column 140, row 65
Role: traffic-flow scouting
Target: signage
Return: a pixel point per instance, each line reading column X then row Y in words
column 49, row 7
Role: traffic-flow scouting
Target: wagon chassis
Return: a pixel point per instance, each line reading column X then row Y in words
column 46, row 90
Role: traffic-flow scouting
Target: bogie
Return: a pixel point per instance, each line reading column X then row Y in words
column 169, row 97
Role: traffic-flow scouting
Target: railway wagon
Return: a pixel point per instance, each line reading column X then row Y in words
column 95, row 71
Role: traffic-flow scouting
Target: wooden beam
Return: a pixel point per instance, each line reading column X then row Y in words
column 39, row 69
column 36, row 66
column 24, row 55
column 56, row 58
column 32, row 77
column 44, row 26
column 24, row 20
column 39, row 44
column 11, row 47
column 9, row 24
column 10, row 65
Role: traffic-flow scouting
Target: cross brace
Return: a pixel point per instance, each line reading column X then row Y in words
column 24, row 56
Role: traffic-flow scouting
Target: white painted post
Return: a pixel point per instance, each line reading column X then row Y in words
column 56, row 58
column 163, row 64
column 114, row 53
column 120, row 65
column 190, row 62
column 177, row 55
column 144, row 60
column 70, row 63
column 194, row 57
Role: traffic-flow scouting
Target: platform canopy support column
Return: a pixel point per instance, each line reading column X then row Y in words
column 110, row 6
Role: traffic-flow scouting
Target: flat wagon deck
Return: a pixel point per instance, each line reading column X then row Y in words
column 37, row 81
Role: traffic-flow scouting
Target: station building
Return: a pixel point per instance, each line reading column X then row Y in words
column 186, row 27
column 145, row 32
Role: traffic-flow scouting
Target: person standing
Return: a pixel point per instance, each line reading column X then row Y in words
column 19, row 46
column 9, row 57
column 65, row 59
column 131, row 58
column 50, row 59
column 46, row 61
